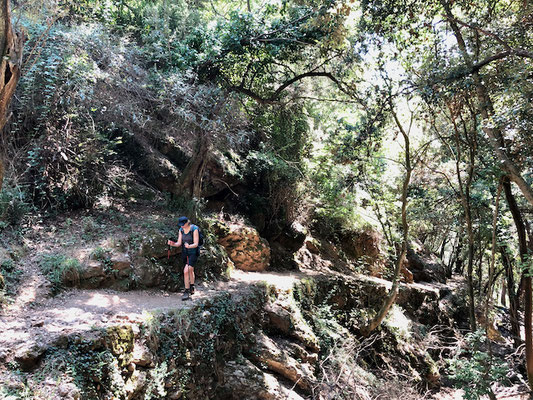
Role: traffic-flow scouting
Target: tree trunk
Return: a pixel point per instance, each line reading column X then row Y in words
column 10, row 68
column 503, row 295
column 459, row 262
column 513, row 297
column 192, row 176
column 526, row 279
column 464, row 192
column 391, row 297
column 443, row 248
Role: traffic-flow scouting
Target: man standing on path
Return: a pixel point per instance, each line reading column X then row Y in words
column 189, row 239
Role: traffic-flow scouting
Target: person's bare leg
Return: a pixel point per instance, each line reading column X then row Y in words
column 191, row 275
column 186, row 277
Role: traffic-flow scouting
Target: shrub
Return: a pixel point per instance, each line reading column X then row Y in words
column 14, row 205
column 67, row 152
column 9, row 279
column 61, row 270
column 474, row 370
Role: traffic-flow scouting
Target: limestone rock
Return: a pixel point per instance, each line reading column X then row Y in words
column 154, row 245
column 142, row 356
column 288, row 320
column 120, row 262
column 247, row 250
column 276, row 356
column 426, row 267
column 148, row 273
column 365, row 246
column 291, row 237
column 93, row 269
column 312, row 245
column 69, row 391
column 29, row 355
column 244, row 381
column 135, row 384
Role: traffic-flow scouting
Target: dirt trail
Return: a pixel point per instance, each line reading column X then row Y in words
column 36, row 321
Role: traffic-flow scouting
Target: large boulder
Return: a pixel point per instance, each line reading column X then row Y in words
column 425, row 266
column 291, row 237
column 244, row 381
column 247, row 250
column 365, row 247
column 154, row 245
column 284, row 243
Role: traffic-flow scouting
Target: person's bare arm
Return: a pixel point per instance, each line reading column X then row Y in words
column 176, row 244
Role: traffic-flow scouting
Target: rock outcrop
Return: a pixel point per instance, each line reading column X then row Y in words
column 247, row 250
column 425, row 267
column 365, row 248
column 260, row 342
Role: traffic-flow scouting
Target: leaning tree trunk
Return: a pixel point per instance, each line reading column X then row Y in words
column 11, row 45
column 391, row 297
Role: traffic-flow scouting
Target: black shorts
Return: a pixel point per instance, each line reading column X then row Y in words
column 190, row 259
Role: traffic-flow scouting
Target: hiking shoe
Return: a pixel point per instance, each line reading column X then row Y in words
column 192, row 289
column 186, row 295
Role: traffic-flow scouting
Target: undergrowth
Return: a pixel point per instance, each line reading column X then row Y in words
column 61, row 271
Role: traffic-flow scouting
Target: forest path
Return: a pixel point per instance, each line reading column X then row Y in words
column 34, row 322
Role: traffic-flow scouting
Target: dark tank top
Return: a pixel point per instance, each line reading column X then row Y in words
column 188, row 238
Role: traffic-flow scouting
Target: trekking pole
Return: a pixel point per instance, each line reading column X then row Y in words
column 169, row 248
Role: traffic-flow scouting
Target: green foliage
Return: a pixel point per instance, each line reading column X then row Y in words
column 474, row 370
column 90, row 228
column 68, row 155
column 14, row 205
column 62, row 271
column 104, row 256
column 347, row 172
column 192, row 208
column 18, row 392
column 526, row 265
column 100, row 253
column 9, row 279
column 156, row 387
column 275, row 169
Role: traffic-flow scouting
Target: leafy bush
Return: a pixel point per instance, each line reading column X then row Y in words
column 474, row 370
column 61, row 270
column 68, row 154
column 9, row 279
column 14, row 205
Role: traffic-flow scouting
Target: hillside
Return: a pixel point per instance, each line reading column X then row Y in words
column 360, row 173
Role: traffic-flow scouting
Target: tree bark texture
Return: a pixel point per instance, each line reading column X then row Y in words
column 11, row 45
column 513, row 297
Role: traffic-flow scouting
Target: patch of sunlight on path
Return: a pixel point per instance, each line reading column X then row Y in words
column 283, row 281
column 82, row 310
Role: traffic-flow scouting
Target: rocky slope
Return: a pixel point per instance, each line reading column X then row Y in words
column 120, row 331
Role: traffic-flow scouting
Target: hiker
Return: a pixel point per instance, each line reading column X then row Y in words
column 189, row 239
